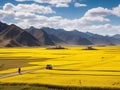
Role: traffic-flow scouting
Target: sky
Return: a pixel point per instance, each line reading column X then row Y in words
column 96, row 16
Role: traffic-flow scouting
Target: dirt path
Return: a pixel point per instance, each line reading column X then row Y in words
column 29, row 71
column 16, row 73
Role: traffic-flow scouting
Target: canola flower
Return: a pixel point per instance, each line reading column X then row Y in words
column 71, row 67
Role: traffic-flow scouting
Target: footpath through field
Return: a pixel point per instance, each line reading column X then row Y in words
column 28, row 71
column 22, row 72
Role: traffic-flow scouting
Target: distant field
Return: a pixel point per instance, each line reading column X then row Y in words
column 72, row 67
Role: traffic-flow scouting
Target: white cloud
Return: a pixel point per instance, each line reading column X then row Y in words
column 99, row 11
column 116, row 11
column 96, row 15
column 6, row 14
column 62, row 5
column 100, row 27
column 105, row 29
column 8, row 7
column 22, row 15
column 79, row 5
column 57, row 3
column 31, row 8
column 1, row 14
column 85, row 19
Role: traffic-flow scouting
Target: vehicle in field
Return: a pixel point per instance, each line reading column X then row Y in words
column 49, row 66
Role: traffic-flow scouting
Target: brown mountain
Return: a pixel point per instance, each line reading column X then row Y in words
column 42, row 36
column 3, row 26
column 15, row 36
column 57, row 40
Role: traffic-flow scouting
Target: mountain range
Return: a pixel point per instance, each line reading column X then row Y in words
column 14, row 36
column 76, row 37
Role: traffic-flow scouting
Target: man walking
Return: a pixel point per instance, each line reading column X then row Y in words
column 19, row 70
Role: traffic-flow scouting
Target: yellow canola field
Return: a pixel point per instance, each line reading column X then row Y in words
column 71, row 67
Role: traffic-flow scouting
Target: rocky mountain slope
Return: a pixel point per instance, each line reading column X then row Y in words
column 13, row 36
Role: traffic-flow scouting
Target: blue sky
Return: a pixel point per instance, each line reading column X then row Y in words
column 96, row 16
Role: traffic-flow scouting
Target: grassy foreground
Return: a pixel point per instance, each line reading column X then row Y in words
column 24, row 86
column 72, row 67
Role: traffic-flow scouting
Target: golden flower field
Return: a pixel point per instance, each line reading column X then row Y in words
column 71, row 67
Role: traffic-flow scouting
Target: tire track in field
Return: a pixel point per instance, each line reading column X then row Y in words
column 27, row 71
column 22, row 72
